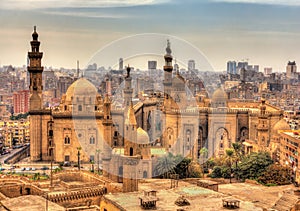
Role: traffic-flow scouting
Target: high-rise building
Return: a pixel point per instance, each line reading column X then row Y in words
column 152, row 66
column 291, row 69
column 121, row 64
column 191, row 65
column 267, row 70
column 231, row 67
column 21, row 101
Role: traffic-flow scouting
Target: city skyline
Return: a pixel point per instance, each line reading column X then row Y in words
column 265, row 32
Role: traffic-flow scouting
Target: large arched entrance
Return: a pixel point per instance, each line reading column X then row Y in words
column 222, row 141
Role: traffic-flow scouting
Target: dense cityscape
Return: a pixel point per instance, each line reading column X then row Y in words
column 138, row 105
column 85, row 139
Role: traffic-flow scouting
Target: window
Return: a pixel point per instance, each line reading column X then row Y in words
column 116, row 133
column 92, row 140
column 66, row 108
column 145, row 174
column 67, row 140
column 67, row 157
column 80, row 108
column 92, row 158
column 131, row 151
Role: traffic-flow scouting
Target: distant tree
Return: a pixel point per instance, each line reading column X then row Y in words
column 229, row 158
column 275, row 174
column 182, row 166
column 253, row 165
column 165, row 165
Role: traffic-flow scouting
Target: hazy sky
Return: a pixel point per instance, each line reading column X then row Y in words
column 267, row 32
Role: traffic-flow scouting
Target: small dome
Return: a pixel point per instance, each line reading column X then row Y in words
column 219, row 94
column 81, row 87
column 281, row 125
column 142, row 136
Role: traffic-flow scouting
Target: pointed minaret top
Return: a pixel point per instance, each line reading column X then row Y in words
column 128, row 71
column 35, row 34
column 168, row 49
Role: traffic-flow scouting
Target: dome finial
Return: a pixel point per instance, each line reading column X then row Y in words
column 128, row 71
column 168, row 49
column 34, row 34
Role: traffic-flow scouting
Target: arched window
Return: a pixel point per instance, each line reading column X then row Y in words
column 145, row 174
column 188, row 136
column 131, row 151
column 79, row 107
column 67, row 140
column 92, row 140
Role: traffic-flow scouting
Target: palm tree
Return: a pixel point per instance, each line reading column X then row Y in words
column 229, row 157
column 165, row 165
column 203, row 154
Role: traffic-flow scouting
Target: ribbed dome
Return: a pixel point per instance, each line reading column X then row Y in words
column 219, row 94
column 281, row 125
column 142, row 136
column 81, row 87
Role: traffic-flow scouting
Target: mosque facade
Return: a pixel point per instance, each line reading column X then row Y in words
column 87, row 125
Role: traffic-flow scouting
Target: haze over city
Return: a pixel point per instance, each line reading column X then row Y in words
column 263, row 32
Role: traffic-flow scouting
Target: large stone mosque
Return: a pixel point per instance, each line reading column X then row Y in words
column 87, row 123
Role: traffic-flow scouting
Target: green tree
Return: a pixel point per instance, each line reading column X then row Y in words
column 203, row 155
column 165, row 165
column 182, row 167
column 275, row 174
column 252, row 166
column 229, row 158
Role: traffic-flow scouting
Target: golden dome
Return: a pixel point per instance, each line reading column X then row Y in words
column 219, row 94
column 142, row 136
column 281, row 125
column 81, row 87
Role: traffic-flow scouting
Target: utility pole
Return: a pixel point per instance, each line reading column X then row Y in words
column 78, row 156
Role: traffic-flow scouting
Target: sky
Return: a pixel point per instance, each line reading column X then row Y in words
column 264, row 32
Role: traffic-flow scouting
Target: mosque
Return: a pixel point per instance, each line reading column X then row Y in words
column 87, row 125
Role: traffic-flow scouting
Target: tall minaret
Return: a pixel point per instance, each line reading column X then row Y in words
column 263, row 138
column 35, row 70
column 168, row 68
column 107, row 143
column 127, row 90
column 131, row 159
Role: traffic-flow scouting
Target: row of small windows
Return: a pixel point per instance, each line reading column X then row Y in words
column 68, row 140
column 80, row 108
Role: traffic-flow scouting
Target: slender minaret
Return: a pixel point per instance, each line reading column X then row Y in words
column 77, row 68
column 168, row 68
column 131, row 159
column 263, row 127
column 107, row 143
column 35, row 70
column 127, row 90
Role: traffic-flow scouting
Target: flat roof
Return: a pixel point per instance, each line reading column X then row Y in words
column 199, row 198
column 30, row 202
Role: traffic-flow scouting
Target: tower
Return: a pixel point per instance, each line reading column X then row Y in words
column 263, row 138
column 131, row 158
column 35, row 70
column 127, row 89
column 168, row 68
column 291, row 70
column 107, row 128
column 39, row 145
